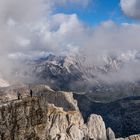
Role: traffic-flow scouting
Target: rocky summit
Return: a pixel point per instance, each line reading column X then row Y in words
column 48, row 115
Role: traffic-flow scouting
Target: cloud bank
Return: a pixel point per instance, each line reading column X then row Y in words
column 31, row 29
column 117, row 46
column 131, row 8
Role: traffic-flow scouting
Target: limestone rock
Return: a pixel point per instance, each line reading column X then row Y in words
column 51, row 116
column 75, row 133
column 96, row 127
column 110, row 134
column 58, row 98
column 134, row 137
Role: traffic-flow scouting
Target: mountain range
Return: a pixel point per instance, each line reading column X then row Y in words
column 117, row 102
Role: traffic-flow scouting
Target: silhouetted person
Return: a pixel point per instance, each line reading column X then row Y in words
column 31, row 93
column 18, row 95
column 41, row 95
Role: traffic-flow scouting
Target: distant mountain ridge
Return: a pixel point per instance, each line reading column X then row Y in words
column 74, row 73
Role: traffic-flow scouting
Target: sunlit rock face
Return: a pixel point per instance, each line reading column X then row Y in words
column 49, row 116
column 133, row 137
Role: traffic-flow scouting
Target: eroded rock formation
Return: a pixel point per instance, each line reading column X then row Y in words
column 50, row 115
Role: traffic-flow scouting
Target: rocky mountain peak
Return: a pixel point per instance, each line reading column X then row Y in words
column 49, row 115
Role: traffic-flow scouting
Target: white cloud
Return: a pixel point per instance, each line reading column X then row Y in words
column 20, row 11
column 131, row 8
column 118, row 41
column 26, row 34
column 110, row 38
column 71, row 3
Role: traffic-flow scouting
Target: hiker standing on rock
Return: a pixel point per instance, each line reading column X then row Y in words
column 18, row 95
column 31, row 93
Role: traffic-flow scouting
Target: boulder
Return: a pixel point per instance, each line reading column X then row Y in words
column 110, row 134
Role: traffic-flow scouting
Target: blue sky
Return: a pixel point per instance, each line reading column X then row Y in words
column 99, row 11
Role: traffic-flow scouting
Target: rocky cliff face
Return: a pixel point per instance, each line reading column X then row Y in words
column 49, row 115
column 38, row 118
